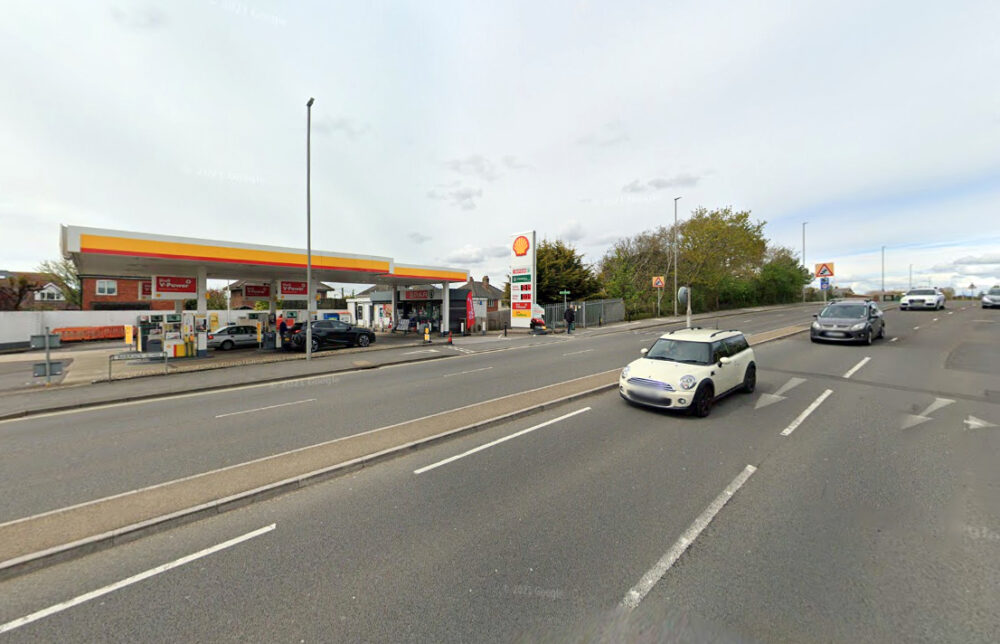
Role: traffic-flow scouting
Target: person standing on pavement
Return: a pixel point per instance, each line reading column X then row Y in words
column 570, row 317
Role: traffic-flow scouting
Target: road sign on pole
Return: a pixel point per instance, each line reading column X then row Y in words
column 824, row 270
column 824, row 283
column 658, row 281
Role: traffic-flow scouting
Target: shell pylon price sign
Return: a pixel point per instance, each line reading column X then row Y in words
column 658, row 281
column 824, row 270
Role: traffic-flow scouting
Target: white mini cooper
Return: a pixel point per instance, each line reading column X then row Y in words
column 689, row 369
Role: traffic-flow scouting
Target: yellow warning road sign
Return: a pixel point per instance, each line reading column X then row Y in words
column 658, row 281
column 824, row 270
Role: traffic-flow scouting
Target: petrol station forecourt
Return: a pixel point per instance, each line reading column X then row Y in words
column 180, row 267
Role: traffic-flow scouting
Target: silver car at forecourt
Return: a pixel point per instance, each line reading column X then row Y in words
column 689, row 369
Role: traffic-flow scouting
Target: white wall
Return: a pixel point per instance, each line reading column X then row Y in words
column 18, row 326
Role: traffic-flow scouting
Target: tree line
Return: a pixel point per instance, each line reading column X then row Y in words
column 722, row 255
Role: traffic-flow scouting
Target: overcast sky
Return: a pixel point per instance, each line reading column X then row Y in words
column 439, row 128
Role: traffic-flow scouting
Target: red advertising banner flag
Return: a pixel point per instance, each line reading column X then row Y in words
column 470, row 312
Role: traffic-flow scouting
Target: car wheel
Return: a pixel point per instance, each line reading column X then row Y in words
column 315, row 345
column 363, row 340
column 868, row 337
column 701, row 406
column 227, row 345
column 750, row 379
column 881, row 332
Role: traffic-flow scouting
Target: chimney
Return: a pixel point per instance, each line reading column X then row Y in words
column 486, row 280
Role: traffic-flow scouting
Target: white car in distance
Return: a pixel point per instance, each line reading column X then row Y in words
column 690, row 369
column 930, row 299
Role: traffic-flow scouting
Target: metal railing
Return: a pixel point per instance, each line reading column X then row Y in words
column 588, row 313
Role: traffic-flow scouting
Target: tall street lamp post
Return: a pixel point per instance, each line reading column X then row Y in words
column 804, row 258
column 309, row 294
column 675, row 255
column 883, row 273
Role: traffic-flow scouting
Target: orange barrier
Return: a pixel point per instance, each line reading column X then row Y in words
column 84, row 333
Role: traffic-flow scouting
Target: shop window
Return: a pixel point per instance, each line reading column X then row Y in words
column 107, row 287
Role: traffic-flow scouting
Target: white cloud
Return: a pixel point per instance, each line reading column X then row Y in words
column 461, row 197
column 476, row 254
column 474, row 165
column 781, row 101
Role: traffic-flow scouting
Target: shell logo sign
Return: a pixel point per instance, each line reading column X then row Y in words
column 521, row 246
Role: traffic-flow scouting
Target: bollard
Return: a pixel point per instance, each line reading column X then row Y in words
column 505, row 329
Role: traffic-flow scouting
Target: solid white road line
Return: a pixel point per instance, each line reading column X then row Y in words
column 462, row 373
column 499, row 440
column 76, row 601
column 641, row 589
column 853, row 370
column 916, row 328
column 250, row 411
column 805, row 414
column 573, row 353
column 410, row 353
column 893, row 339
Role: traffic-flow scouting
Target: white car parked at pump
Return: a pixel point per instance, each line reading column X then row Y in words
column 922, row 298
column 689, row 369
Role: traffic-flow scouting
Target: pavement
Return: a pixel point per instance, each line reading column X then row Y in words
column 865, row 514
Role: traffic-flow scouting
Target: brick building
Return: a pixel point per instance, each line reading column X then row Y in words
column 101, row 294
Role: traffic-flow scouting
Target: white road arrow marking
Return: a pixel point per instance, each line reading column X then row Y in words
column 912, row 420
column 936, row 405
column 788, row 386
column 767, row 399
column 770, row 399
column 976, row 423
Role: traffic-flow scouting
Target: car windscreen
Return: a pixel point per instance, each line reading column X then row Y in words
column 921, row 291
column 681, row 351
column 845, row 311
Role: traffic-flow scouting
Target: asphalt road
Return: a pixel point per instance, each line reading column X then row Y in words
column 875, row 517
column 63, row 459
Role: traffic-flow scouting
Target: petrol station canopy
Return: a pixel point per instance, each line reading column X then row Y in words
column 117, row 253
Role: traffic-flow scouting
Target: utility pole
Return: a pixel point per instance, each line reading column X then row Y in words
column 804, row 257
column 309, row 294
column 883, row 274
column 675, row 255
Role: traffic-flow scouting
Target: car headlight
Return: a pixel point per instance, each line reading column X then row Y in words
column 625, row 371
column 687, row 382
column 858, row 326
column 817, row 326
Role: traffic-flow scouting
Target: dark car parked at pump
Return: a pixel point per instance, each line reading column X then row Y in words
column 847, row 321
column 327, row 333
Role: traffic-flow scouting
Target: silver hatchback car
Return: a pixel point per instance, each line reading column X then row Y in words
column 232, row 336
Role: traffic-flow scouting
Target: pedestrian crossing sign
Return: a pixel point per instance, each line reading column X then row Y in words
column 658, row 281
column 824, row 270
